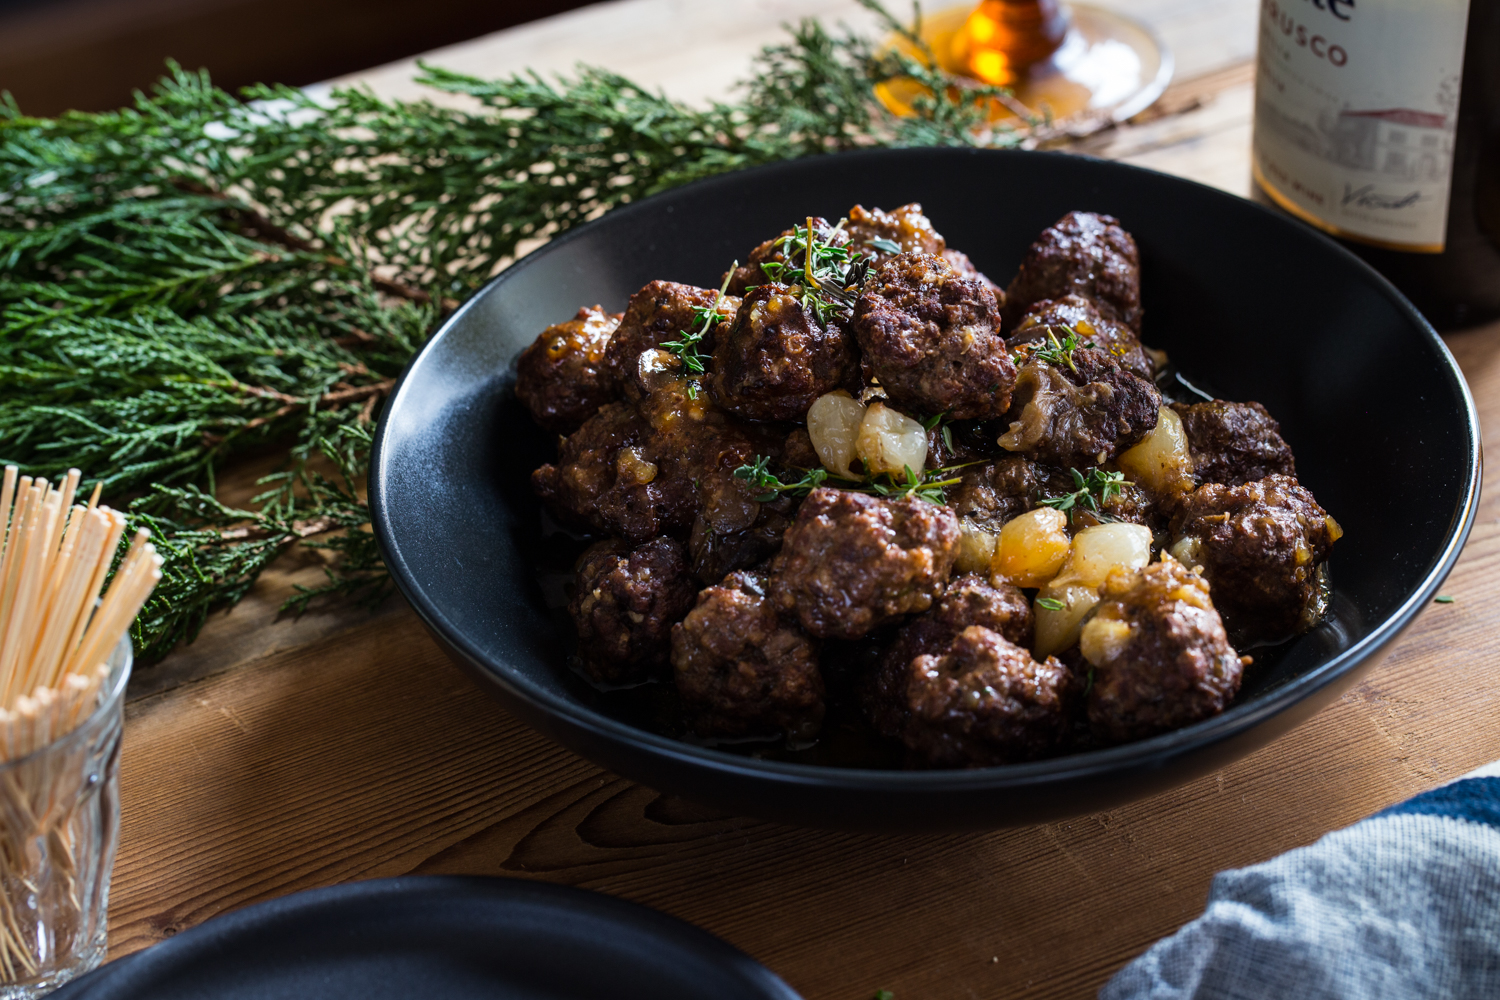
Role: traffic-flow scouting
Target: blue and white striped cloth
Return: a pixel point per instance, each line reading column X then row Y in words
column 1404, row 904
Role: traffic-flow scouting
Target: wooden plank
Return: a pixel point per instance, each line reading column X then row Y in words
column 366, row 754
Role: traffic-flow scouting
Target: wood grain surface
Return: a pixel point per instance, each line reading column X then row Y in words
column 275, row 756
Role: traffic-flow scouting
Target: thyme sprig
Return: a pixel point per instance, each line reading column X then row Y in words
column 1093, row 489
column 941, row 419
column 928, row 485
column 830, row 276
column 685, row 347
column 759, row 475
column 1060, row 352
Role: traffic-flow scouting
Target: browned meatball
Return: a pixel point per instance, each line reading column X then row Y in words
column 932, row 338
column 744, row 670
column 874, row 231
column 775, row 358
column 993, row 493
column 1083, row 254
column 773, row 251
column 662, row 311
column 641, row 471
column 1159, row 654
column 1234, row 443
column 880, row 235
column 1079, row 413
column 603, row 479
column 1261, row 545
column 560, row 378
column 1080, row 316
column 983, row 700
column 625, row 605
column 851, row 562
column 969, row 600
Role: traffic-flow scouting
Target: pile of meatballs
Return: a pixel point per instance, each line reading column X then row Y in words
column 746, row 598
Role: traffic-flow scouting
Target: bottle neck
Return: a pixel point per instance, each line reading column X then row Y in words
column 1002, row 38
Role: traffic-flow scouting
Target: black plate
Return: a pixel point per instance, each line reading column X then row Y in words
column 1253, row 304
column 454, row 938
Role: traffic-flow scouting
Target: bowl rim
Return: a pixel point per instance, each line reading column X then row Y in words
column 1234, row 721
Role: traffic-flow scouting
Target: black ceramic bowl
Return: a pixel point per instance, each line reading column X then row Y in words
column 1252, row 304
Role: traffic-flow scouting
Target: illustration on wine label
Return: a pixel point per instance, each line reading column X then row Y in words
column 1349, row 138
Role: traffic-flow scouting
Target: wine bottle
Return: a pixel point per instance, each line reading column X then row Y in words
column 1378, row 121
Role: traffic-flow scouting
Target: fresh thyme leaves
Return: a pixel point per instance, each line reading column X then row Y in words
column 1089, row 683
column 928, row 485
column 829, row 276
column 1093, row 490
column 884, row 245
column 941, row 419
column 1050, row 603
column 760, row 476
column 686, row 346
column 884, row 995
column 1443, row 599
column 1060, row 352
column 195, row 275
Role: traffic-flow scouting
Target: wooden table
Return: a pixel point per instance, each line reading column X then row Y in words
column 273, row 757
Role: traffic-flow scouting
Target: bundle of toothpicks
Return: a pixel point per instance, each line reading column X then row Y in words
column 56, row 632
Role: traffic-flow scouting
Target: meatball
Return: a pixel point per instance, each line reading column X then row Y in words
column 641, row 471
column 744, row 670
column 1261, row 545
column 603, row 479
column 932, row 338
column 625, row 605
column 775, row 358
column 993, row 493
column 908, row 229
column 1159, row 654
column 1079, row 411
column 851, row 562
column 773, row 251
column 905, row 227
column 1234, row 443
column 560, row 378
column 969, row 600
column 1080, row 316
column 662, row 311
column 983, row 700
column 1083, row 254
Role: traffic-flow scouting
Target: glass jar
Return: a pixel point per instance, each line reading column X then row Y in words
column 59, row 828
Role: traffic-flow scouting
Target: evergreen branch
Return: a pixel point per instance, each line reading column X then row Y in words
column 194, row 275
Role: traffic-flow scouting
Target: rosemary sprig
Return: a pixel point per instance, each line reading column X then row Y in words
column 1093, row 490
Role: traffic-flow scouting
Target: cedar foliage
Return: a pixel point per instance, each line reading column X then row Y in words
column 199, row 274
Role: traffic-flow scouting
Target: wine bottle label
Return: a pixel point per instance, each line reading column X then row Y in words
column 1356, row 106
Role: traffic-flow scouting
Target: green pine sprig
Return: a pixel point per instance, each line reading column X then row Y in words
column 197, row 274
